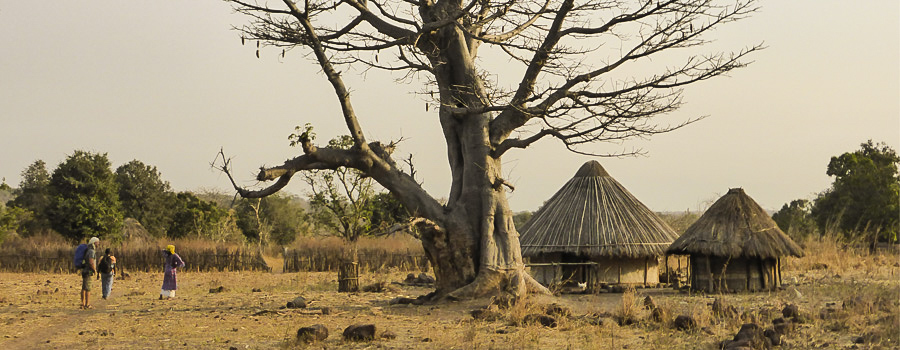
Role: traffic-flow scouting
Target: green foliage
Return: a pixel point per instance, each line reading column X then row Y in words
column 193, row 216
column 341, row 199
column 280, row 219
column 145, row 196
column 796, row 219
column 865, row 195
column 33, row 195
column 6, row 193
column 520, row 218
column 12, row 220
column 301, row 134
column 386, row 211
column 84, row 199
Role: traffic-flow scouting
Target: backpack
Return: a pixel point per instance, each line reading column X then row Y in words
column 79, row 255
column 105, row 265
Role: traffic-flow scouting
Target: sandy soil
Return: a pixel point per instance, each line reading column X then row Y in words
column 41, row 311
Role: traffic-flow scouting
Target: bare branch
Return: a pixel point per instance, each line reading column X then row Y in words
column 523, row 143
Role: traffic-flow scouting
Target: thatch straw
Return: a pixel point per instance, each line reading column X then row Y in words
column 594, row 216
column 735, row 226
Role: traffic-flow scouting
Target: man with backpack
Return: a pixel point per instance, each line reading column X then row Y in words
column 88, row 269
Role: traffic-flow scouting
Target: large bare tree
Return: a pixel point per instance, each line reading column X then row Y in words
column 586, row 71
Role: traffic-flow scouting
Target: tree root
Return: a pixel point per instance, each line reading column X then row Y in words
column 491, row 282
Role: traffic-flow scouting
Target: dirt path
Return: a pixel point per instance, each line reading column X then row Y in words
column 58, row 323
column 276, row 263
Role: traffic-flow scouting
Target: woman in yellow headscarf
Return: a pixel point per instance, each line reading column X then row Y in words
column 170, row 282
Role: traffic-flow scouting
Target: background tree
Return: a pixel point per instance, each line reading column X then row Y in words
column 341, row 199
column 865, row 195
column 522, row 217
column 569, row 74
column 387, row 211
column 11, row 220
column 84, row 198
column 145, row 196
column 282, row 217
column 795, row 219
column 193, row 216
column 34, row 197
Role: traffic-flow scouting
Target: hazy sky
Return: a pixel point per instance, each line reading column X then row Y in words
column 168, row 83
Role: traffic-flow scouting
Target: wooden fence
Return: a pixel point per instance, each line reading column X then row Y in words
column 296, row 260
column 59, row 260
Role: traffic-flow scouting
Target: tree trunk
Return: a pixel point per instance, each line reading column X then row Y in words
column 476, row 252
column 475, row 261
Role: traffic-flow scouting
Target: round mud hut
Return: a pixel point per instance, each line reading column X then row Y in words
column 594, row 231
column 735, row 246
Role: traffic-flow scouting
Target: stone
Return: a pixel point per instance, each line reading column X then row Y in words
column 388, row 335
column 297, row 303
column 375, row 287
column 401, row 301
column 543, row 320
column 485, row 314
column 359, row 332
column 782, row 326
column 754, row 335
column 774, row 337
column 316, row 332
column 421, row 279
column 684, row 323
column 743, row 344
column 557, row 310
column 424, row 278
column 790, row 311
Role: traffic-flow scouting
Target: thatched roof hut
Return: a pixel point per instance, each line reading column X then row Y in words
column 594, row 222
column 735, row 245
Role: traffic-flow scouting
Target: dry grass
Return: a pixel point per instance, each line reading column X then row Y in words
column 855, row 298
column 53, row 253
column 393, row 243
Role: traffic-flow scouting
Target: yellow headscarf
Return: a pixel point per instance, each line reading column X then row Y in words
column 170, row 248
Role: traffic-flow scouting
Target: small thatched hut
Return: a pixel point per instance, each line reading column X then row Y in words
column 735, row 246
column 594, row 231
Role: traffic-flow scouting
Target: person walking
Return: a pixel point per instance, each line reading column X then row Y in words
column 170, row 282
column 107, row 269
column 89, row 269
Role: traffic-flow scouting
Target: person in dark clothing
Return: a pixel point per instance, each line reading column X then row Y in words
column 170, row 282
column 107, row 269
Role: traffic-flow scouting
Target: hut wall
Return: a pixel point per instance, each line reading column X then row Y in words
column 548, row 271
column 546, row 274
column 718, row 274
column 624, row 271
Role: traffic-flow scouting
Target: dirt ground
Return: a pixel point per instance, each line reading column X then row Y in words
column 40, row 311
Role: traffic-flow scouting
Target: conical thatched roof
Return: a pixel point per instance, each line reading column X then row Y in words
column 593, row 215
column 735, row 226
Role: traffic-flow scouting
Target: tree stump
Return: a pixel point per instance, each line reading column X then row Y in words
column 348, row 278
